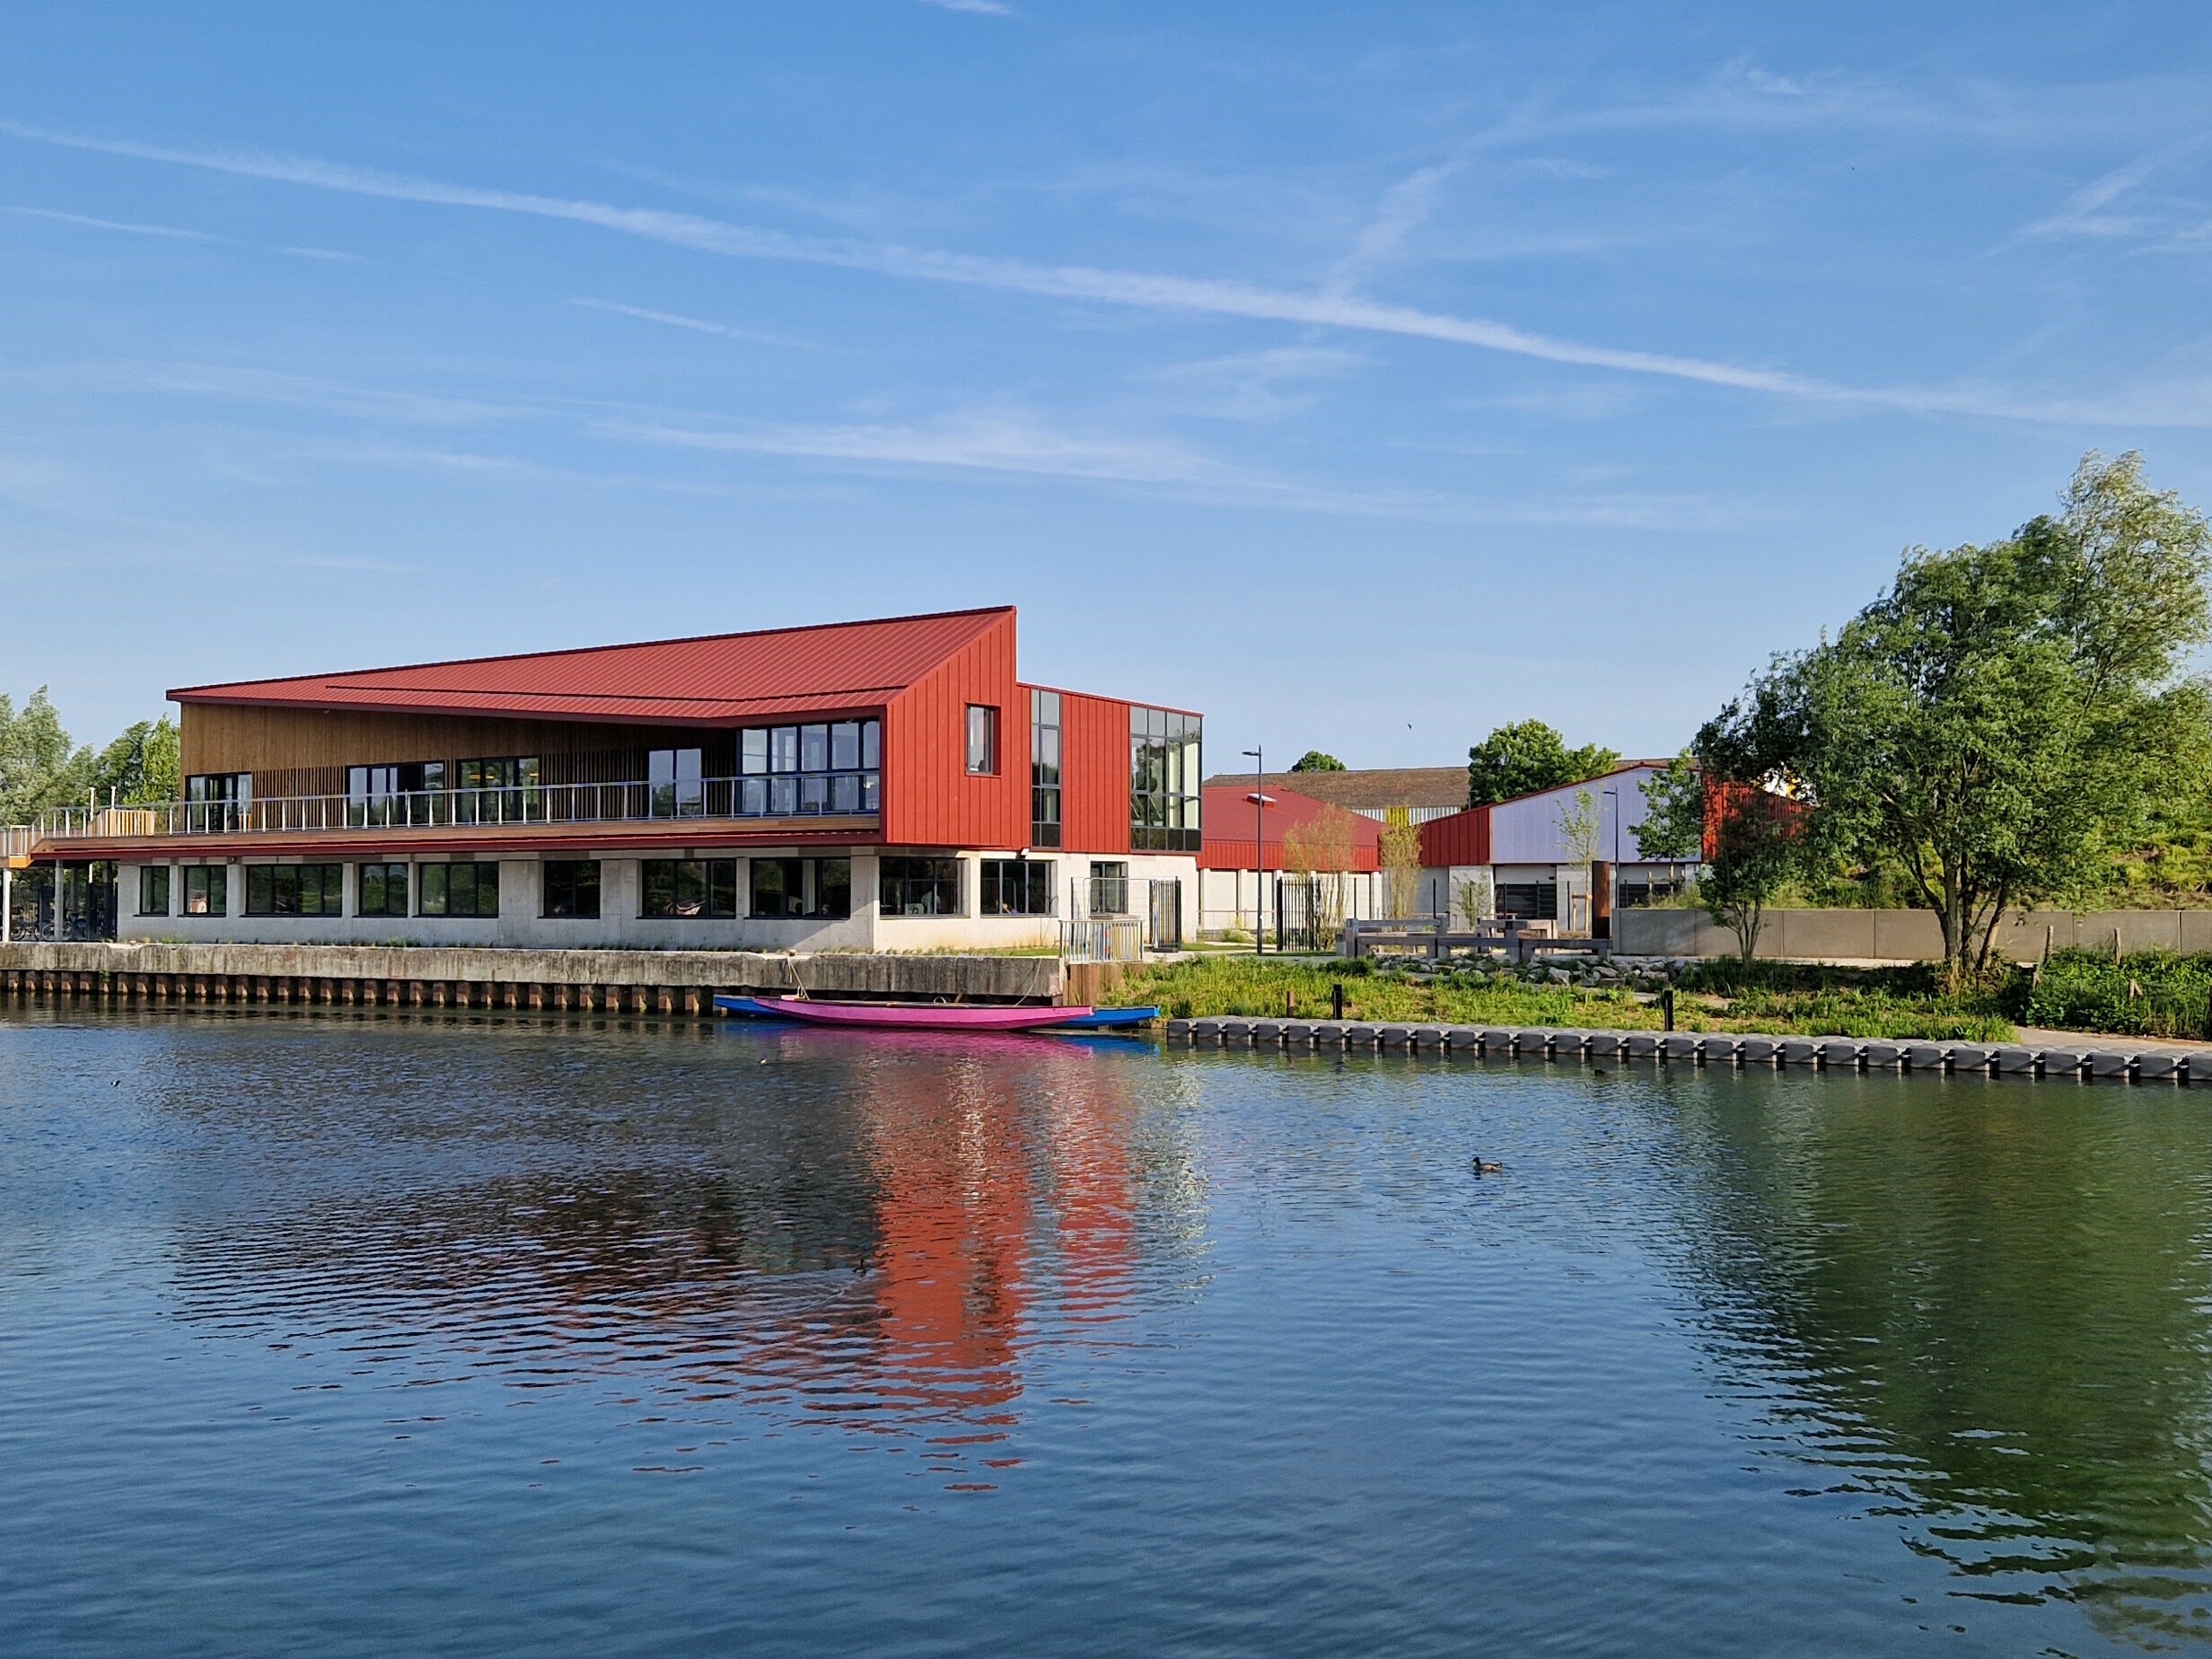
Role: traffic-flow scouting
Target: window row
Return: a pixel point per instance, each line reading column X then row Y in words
column 807, row 889
column 320, row 890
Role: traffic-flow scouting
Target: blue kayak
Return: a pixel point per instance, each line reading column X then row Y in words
column 1108, row 1019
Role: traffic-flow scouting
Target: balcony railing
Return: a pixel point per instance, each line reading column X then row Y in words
column 775, row 796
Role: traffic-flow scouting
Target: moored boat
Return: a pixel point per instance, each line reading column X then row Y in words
column 934, row 1016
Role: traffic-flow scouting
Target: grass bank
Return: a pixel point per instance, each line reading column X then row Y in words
column 2149, row 993
column 1900, row 1003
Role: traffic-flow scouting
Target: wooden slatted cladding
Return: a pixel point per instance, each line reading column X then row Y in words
column 295, row 752
column 930, row 799
column 1094, row 767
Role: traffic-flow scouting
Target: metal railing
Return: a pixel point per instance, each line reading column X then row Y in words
column 1104, row 939
column 16, row 841
column 786, row 795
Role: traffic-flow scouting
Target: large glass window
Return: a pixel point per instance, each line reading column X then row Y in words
column 1044, row 769
column 499, row 791
column 982, row 739
column 295, row 889
column 687, row 888
column 1016, row 887
column 379, row 890
column 803, row 887
column 571, row 887
column 153, row 890
column 215, row 801
column 459, row 889
column 206, row 889
column 678, row 788
column 410, row 792
column 793, row 771
column 1165, row 765
column 919, row 886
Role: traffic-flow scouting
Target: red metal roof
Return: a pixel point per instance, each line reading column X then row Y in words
column 829, row 668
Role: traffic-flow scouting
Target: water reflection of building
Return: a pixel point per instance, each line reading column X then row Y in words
column 1993, row 1309
column 866, row 1231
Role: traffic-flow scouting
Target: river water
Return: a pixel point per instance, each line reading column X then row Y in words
column 358, row 1334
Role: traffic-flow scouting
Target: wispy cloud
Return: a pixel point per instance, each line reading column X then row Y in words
column 2183, row 405
column 698, row 325
column 125, row 225
column 2088, row 212
column 1260, row 385
column 1146, row 290
column 1015, row 444
column 984, row 8
column 174, row 233
column 1404, row 208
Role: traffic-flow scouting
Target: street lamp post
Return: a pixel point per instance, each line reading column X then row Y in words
column 1612, row 876
column 1260, row 849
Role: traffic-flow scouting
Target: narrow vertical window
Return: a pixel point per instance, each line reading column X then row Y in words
column 982, row 739
column 1044, row 769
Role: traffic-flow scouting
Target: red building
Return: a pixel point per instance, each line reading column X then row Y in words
column 889, row 784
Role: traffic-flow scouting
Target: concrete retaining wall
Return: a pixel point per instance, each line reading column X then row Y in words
column 662, row 980
column 1909, row 936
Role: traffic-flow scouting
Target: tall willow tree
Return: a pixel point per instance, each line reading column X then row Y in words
column 2005, row 714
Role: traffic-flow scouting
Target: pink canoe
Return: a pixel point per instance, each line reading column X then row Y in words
column 907, row 1016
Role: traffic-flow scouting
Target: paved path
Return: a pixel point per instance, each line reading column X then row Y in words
column 2037, row 1037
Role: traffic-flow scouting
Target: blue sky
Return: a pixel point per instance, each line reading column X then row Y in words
column 1361, row 375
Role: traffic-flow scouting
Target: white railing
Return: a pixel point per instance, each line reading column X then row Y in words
column 782, row 796
column 16, row 841
column 1104, row 939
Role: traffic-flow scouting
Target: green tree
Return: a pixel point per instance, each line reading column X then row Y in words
column 39, row 765
column 1527, row 756
column 1673, row 826
column 1713, row 802
column 1314, row 760
column 140, row 766
column 2004, row 716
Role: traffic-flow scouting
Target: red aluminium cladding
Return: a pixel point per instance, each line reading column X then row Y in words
column 1461, row 838
column 712, row 679
column 1231, row 816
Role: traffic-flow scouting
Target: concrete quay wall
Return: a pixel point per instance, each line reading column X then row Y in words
column 617, row 981
column 1909, row 936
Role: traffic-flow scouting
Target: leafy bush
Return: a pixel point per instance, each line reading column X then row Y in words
column 2147, row 994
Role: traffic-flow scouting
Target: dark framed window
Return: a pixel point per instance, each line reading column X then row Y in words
column 379, row 890
column 1109, row 887
column 1166, row 759
column 153, row 890
column 295, row 889
column 918, row 886
column 812, row 888
column 831, row 767
column 408, row 792
column 982, row 739
column 206, row 889
column 571, row 887
column 676, row 783
column 1016, row 887
column 1044, row 769
column 458, row 889
column 685, row 888
column 498, row 791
